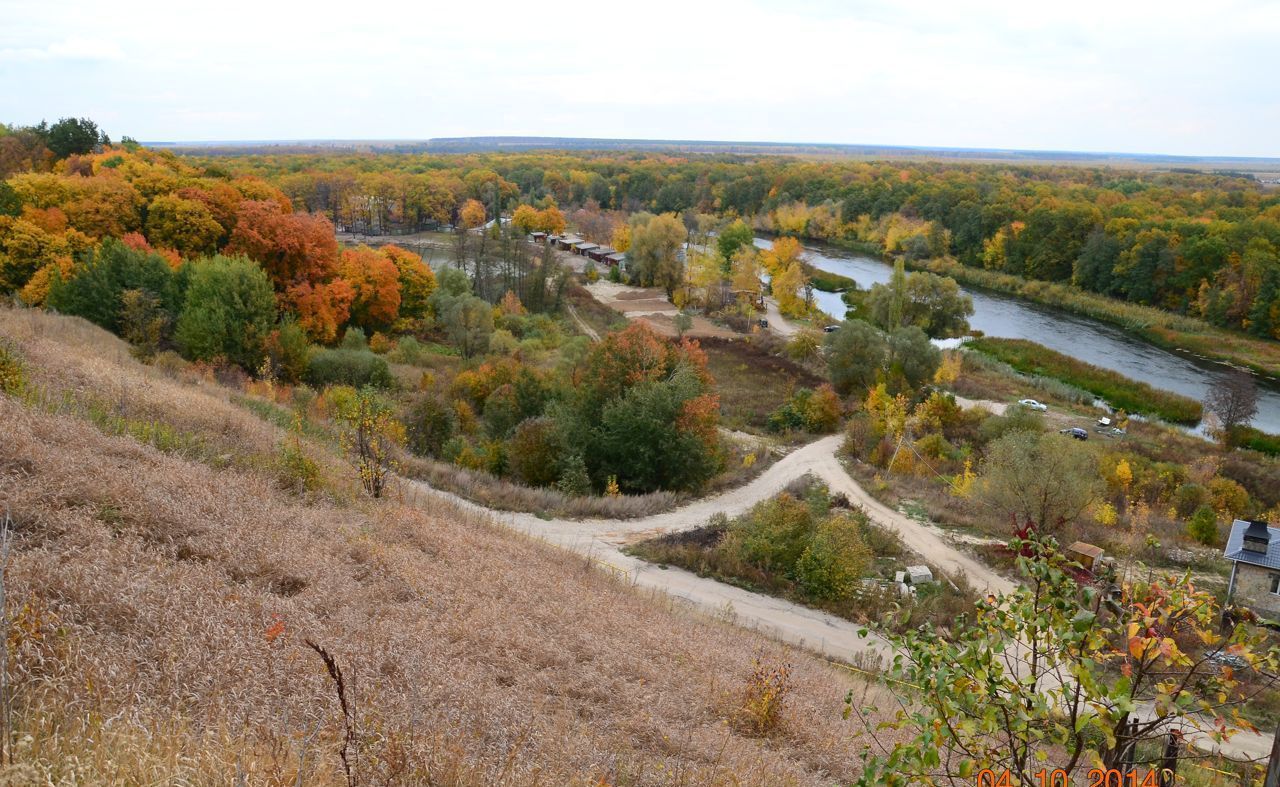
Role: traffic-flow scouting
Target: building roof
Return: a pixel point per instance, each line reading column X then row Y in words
column 586, row 244
column 1235, row 544
column 618, row 256
column 1087, row 549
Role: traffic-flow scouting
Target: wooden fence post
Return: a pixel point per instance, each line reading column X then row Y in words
column 1169, row 763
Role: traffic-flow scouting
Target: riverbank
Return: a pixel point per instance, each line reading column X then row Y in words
column 1117, row 390
column 1163, row 329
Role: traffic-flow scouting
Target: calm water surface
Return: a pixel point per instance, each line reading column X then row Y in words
column 1081, row 337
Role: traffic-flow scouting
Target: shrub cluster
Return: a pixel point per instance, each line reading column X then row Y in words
column 357, row 368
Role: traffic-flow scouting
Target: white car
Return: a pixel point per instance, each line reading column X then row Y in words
column 1032, row 404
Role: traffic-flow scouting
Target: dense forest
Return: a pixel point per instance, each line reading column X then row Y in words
column 1198, row 244
column 1193, row 243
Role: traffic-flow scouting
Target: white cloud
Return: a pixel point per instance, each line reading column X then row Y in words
column 73, row 48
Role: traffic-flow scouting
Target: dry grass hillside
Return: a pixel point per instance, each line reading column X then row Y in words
column 164, row 577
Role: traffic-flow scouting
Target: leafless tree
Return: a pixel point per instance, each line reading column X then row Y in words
column 1234, row 400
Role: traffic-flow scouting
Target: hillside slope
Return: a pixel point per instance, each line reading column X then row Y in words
column 163, row 581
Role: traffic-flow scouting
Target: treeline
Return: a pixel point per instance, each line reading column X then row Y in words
column 223, row 268
column 1193, row 243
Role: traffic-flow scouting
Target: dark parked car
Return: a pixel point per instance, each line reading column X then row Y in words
column 1076, row 432
column 830, row 328
column 762, row 323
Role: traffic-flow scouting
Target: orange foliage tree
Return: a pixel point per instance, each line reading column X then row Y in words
column 375, row 283
column 292, row 247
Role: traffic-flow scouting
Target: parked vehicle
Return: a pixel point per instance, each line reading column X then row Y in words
column 1075, row 432
column 1032, row 404
column 830, row 328
column 762, row 323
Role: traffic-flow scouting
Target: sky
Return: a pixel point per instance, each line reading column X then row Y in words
column 1173, row 77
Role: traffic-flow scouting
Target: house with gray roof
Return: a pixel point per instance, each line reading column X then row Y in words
column 1253, row 547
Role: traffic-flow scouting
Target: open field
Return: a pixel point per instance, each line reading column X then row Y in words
column 752, row 379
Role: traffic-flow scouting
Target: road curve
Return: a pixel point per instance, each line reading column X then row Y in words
column 602, row 541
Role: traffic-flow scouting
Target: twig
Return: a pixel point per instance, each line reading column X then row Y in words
column 349, row 751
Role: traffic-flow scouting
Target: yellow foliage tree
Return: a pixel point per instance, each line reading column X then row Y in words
column 788, row 289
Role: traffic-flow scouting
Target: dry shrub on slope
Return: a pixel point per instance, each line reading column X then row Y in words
column 162, row 604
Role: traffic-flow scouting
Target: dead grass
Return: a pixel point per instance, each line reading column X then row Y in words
column 752, row 380
column 170, row 596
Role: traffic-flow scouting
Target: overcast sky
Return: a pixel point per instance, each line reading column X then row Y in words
column 1097, row 75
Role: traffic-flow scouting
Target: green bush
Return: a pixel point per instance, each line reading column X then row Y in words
column 95, row 287
column 229, row 310
column 533, row 455
column 1203, row 526
column 354, row 339
column 574, row 480
column 834, row 561
column 1189, row 497
column 356, row 368
column 429, row 425
column 289, row 351
column 1255, row 440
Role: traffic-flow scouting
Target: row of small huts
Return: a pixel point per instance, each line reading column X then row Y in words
column 604, row 254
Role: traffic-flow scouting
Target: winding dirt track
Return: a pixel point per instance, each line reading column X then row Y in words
column 602, row 541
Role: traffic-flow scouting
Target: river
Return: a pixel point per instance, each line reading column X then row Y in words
column 1084, row 338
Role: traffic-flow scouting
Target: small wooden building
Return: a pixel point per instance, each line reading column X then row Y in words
column 617, row 260
column 567, row 242
column 537, row 237
column 1085, row 554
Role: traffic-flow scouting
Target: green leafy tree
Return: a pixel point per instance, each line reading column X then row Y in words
column 644, row 440
column 1047, row 479
column 1203, row 526
column 534, row 453
column 574, row 479
column 913, row 356
column 468, row 322
column 932, row 303
column 732, row 238
column 656, row 242
column 429, row 424
column 289, row 350
column 143, row 322
column 96, row 285
column 72, row 136
column 856, row 353
column 229, row 311
column 1062, row 675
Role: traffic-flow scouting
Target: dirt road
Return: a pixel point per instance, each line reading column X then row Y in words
column 602, row 541
column 777, row 323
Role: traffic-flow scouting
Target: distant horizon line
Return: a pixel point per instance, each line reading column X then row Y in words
column 498, row 142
